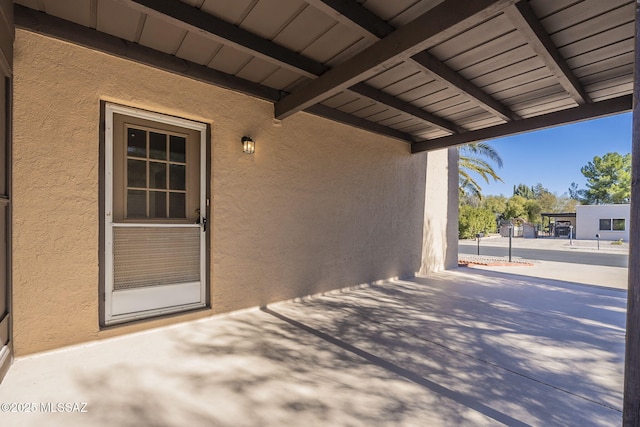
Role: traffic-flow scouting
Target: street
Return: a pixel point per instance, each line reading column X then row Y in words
column 547, row 250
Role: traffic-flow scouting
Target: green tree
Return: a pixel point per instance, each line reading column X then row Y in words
column 608, row 180
column 516, row 208
column 566, row 204
column 549, row 202
column 575, row 192
column 539, row 191
column 533, row 210
column 472, row 221
column 524, row 191
column 496, row 204
column 476, row 160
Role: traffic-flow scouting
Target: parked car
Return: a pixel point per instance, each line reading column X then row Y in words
column 562, row 228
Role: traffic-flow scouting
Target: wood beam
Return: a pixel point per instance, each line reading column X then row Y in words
column 189, row 18
column 192, row 19
column 433, row 66
column 41, row 23
column 631, row 404
column 443, row 21
column 351, row 13
column 583, row 112
column 405, row 107
column 355, row 121
column 526, row 22
column 355, row 16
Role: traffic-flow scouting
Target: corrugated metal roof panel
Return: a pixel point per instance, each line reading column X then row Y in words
column 79, row 12
column 198, row 49
column 229, row 60
column 269, row 17
column 257, row 70
column 281, row 79
column 117, row 19
column 338, row 42
column 481, row 76
column 308, row 26
column 159, row 35
column 231, row 11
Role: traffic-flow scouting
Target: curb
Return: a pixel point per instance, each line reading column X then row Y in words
column 493, row 263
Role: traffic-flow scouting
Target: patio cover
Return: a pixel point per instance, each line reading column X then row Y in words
column 433, row 73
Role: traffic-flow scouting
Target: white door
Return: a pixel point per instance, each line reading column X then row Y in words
column 155, row 214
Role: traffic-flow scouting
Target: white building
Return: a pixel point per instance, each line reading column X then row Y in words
column 611, row 222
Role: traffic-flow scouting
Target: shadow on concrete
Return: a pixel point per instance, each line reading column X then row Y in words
column 468, row 348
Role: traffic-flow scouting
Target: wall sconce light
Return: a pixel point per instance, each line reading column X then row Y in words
column 248, row 145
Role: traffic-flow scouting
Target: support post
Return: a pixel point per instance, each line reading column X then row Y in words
column 571, row 235
column 631, row 406
column 510, row 236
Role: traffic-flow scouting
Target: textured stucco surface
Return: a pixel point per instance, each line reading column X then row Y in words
column 319, row 206
column 440, row 227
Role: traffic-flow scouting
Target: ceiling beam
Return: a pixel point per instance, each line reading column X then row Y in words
column 580, row 113
column 433, row 66
column 191, row 19
column 405, row 107
column 51, row 26
column 437, row 25
column 355, row 121
column 356, row 16
column 48, row 25
column 527, row 23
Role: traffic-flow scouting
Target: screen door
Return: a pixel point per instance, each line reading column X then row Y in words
column 155, row 214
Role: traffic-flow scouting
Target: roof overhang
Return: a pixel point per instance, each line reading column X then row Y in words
column 432, row 73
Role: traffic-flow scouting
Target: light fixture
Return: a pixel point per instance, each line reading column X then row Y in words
column 248, row 145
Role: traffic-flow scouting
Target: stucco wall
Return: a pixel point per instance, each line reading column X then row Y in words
column 588, row 221
column 319, row 206
column 440, row 225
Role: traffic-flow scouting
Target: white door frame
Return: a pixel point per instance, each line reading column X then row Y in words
column 130, row 304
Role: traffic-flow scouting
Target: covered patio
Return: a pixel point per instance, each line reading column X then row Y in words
column 121, row 123
column 464, row 347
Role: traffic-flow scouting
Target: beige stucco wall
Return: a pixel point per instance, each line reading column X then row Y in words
column 319, row 206
column 440, row 226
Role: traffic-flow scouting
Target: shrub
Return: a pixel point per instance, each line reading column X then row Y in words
column 472, row 221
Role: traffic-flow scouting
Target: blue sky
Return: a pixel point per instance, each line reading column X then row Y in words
column 553, row 157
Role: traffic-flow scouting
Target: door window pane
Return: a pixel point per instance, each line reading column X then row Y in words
column 136, row 204
column 136, row 173
column 177, row 202
column 157, row 146
column 136, row 142
column 177, row 177
column 177, row 149
column 157, row 204
column 157, row 175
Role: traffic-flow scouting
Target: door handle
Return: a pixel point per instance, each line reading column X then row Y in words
column 203, row 222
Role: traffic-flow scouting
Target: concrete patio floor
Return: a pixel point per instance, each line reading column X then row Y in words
column 465, row 347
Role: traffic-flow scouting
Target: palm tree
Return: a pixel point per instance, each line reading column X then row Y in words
column 476, row 158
